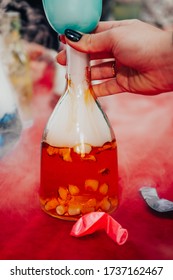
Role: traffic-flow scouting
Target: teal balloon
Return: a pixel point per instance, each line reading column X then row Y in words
column 79, row 15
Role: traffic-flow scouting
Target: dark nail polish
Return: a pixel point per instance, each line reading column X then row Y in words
column 72, row 35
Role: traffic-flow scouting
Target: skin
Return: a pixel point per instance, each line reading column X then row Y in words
column 143, row 55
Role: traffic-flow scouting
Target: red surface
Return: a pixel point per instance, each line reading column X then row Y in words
column 144, row 131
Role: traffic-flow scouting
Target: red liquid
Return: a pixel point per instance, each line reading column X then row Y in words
column 74, row 184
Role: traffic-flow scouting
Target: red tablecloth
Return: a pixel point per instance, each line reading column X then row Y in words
column 144, row 132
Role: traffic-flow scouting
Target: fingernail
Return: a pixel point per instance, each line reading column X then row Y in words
column 72, row 35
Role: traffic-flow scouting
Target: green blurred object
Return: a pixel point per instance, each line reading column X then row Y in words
column 126, row 10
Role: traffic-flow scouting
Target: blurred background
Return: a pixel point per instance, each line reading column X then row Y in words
column 157, row 12
column 29, row 45
column 143, row 127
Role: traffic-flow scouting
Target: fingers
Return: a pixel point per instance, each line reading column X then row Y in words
column 105, row 25
column 61, row 57
column 91, row 43
column 102, row 43
column 104, row 55
column 104, row 70
column 108, row 87
column 99, row 71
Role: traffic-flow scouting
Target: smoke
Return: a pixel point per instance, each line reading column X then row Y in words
column 20, row 168
column 143, row 127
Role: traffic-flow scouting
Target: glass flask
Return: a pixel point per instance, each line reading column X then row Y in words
column 18, row 65
column 79, row 172
column 10, row 121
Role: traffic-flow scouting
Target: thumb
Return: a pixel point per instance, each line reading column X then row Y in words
column 90, row 43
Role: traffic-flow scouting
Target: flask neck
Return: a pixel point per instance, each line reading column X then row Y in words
column 78, row 68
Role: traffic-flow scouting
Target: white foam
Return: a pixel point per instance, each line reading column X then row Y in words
column 77, row 118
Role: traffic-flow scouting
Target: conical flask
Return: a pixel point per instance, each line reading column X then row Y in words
column 79, row 171
column 18, row 66
column 10, row 121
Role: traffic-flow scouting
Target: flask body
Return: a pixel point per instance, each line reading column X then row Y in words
column 74, row 184
column 79, row 172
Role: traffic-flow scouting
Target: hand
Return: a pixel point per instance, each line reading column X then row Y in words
column 143, row 57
